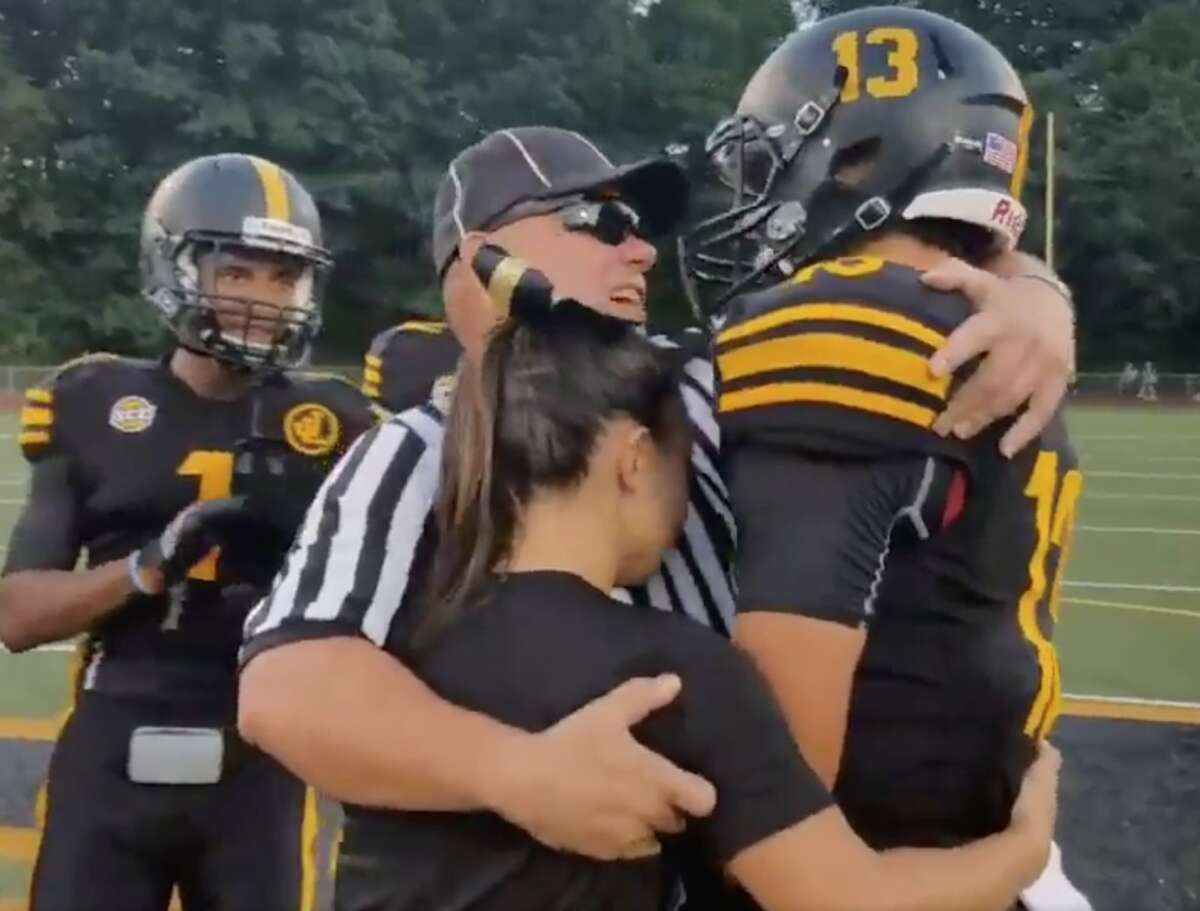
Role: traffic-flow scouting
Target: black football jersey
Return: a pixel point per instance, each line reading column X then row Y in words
column 851, row 509
column 139, row 446
column 405, row 364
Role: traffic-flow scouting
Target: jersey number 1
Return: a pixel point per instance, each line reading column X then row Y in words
column 215, row 471
column 1053, row 517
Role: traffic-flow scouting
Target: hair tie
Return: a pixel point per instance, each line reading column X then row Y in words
column 516, row 290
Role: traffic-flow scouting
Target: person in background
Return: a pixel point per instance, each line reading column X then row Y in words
column 410, row 363
column 184, row 479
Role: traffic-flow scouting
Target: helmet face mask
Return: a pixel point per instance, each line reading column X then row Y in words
column 233, row 279
column 855, row 125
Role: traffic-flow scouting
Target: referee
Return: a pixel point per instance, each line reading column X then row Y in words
column 324, row 686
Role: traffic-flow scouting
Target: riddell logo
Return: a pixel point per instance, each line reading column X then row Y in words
column 1009, row 216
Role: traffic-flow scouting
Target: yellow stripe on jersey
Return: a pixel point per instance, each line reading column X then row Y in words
column 36, row 417
column 827, row 312
column 310, row 832
column 39, row 396
column 374, row 361
column 274, row 187
column 372, row 376
column 837, row 351
column 429, row 327
column 826, row 394
column 33, row 438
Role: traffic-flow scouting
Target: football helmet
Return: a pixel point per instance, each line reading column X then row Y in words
column 239, row 204
column 852, row 125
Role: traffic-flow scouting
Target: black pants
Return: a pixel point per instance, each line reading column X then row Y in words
column 112, row 845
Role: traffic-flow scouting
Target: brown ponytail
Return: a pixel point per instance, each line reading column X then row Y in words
column 552, row 374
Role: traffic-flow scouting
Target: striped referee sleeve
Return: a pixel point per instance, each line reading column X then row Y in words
column 696, row 576
column 349, row 569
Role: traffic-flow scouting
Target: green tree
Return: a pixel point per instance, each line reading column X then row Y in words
column 1128, row 194
column 1034, row 34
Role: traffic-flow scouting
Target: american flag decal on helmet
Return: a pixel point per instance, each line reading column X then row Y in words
column 1000, row 153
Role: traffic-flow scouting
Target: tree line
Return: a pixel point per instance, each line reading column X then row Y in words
column 366, row 100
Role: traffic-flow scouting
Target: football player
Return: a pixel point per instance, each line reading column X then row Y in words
column 402, row 359
column 897, row 587
column 183, row 479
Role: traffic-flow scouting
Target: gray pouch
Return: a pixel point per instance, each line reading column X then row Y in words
column 176, row 755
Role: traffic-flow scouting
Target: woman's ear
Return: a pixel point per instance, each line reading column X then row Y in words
column 634, row 454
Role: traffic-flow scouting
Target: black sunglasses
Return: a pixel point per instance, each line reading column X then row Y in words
column 610, row 221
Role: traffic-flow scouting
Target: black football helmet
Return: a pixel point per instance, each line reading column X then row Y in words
column 236, row 203
column 928, row 119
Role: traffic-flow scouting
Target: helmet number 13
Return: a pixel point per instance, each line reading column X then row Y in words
column 902, row 46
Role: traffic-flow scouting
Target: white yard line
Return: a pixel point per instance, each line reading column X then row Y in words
column 1145, row 475
column 1135, row 608
column 1097, row 495
column 1136, row 437
column 1130, row 700
column 1138, row 531
column 1135, row 587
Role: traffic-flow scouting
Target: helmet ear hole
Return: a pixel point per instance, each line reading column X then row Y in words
column 854, row 165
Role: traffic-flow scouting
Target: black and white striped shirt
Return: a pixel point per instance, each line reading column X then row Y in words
column 367, row 541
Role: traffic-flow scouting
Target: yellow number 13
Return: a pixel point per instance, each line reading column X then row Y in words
column 1052, row 520
column 902, row 58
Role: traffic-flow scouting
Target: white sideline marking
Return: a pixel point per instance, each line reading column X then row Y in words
column 1150, row 476
column 1136, row 608
column 1138, row 437
column 1128, row 586
column 1139, row 531
column 1092, row 495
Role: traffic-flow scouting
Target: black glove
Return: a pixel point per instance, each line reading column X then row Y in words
column 189, row 536
column 278, row 483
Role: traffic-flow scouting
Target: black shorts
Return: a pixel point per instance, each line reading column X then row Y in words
column 109, row 843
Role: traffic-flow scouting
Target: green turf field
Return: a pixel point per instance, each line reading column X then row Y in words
column 1130, row 621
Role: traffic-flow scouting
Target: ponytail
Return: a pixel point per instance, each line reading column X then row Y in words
column 553, row 372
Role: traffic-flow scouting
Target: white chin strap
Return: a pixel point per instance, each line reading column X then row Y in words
column 1000, row 213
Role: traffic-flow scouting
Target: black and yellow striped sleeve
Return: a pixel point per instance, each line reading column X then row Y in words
column 845, row 378
column 36, row 433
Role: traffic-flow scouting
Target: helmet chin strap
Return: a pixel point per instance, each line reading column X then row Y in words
column 862, row 216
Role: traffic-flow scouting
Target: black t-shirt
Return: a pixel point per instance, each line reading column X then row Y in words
column 544, row 644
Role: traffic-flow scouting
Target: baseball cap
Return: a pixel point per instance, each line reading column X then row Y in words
column 524, row 171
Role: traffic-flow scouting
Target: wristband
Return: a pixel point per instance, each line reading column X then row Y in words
column 135, row 576
column 1049, row 282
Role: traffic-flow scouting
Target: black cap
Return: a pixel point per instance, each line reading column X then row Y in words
column 524, row 171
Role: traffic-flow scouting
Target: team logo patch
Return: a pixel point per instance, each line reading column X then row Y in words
column 312, row 429
column 132, row 414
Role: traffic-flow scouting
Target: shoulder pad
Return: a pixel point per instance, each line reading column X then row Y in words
column 77, row 376
column 384, row 339
column 405, row 361
column 836, row 360
column 341, row 394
